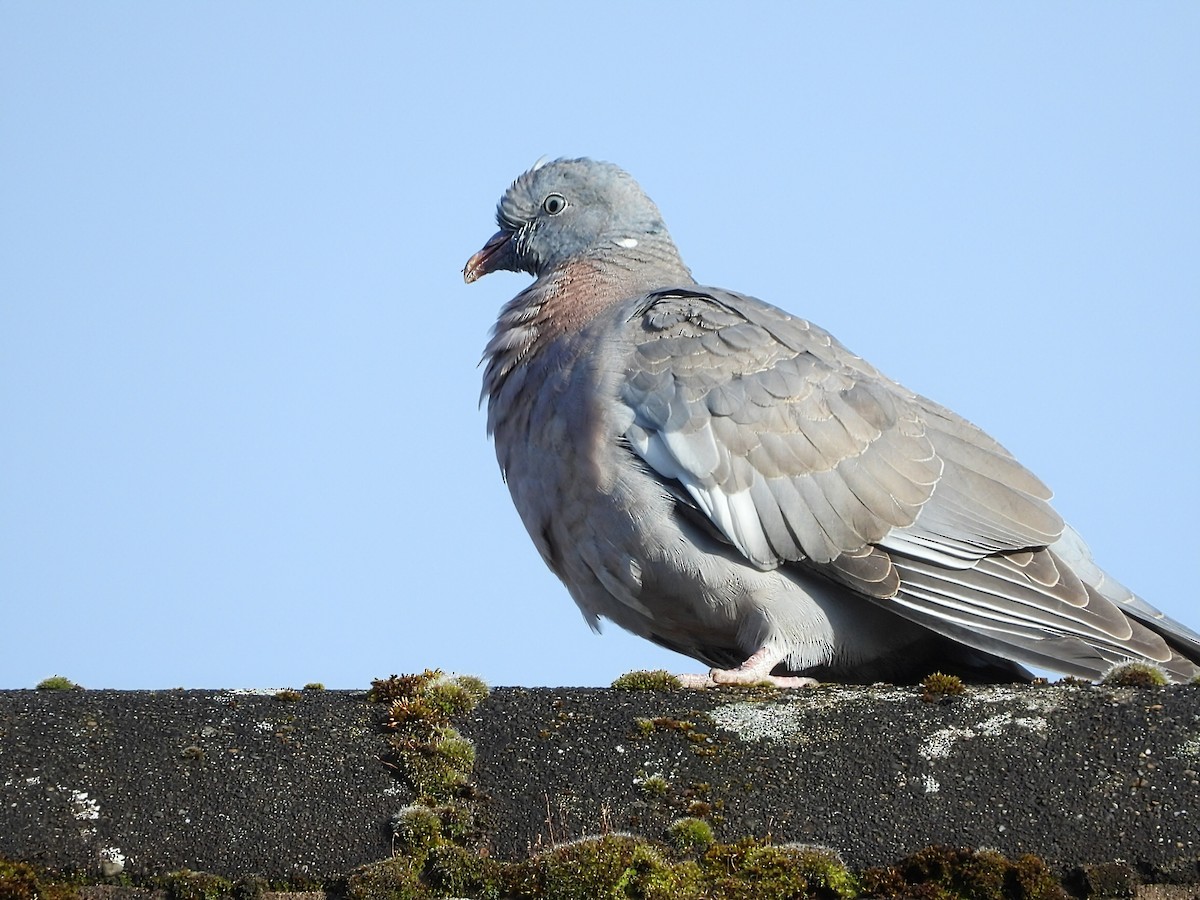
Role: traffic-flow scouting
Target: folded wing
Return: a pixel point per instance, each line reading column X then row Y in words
column 799, row 452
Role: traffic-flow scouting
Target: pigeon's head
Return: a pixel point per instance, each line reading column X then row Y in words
column 566, row 210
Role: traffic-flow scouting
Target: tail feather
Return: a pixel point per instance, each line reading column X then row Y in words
column 1186, row 642
column 1052, row 608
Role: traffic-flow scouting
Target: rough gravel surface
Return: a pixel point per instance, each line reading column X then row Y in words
column 237, row 783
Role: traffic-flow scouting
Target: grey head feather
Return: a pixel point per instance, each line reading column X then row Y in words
column 572, row 209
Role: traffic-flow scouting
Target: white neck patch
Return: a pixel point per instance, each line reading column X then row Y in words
column 627, row 243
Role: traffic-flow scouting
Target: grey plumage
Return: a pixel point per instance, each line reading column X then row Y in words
column 729, row 481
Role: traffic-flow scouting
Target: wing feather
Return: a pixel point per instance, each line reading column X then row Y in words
column 800, row 452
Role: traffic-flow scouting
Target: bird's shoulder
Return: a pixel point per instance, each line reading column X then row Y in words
column 698, row 326
column 795, row 447
column 714, row 352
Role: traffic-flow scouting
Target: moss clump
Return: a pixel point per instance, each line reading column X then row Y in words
column 250, row 887
column 394, row 687
column 648, row 680
column 448, row 695
column 428, row 866
column 458, row 821
column 184, row 884
column 580, row 870
column 435, row 766
column 653, row 786
column 454, row 871
column 455, row 695
column 397, row 878
column 415, row 830
column 413, row 713
column 1030, row 878
column 1073, row 681
column 288, row 695
column 21, row 881
column 430, row 754
column 18, row 881
column 754, row 870
column 643, row 727
column 1107, row 880
column 650, row 876
column 951, row 873
column 612, row 865
column 58, row 683
column 825, row 872
column 690, row 835
column 939, row 687
column 1135, row 674
column 314, row 686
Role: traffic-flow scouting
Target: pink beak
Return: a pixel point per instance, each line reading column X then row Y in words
column 494, row 255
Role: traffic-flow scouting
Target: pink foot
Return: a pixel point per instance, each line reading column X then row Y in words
column 755, row 670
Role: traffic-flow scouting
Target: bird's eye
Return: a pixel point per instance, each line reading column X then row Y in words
column 554, row 204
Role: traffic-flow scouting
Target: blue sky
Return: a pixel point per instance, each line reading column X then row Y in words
column 240, row 444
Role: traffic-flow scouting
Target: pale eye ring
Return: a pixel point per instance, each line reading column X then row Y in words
column 554, row 204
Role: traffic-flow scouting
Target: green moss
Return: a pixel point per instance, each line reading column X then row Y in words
column 426, row 750
column 454, row 871
column 426, row 865
column 288, row 695
column 703, row 743
column 608, row 866
column 826, row 874
column 397, row 878
column 651, row 877
column 58, row 683
column 430, row 697
column 653, row 786
column 413, row 712
column 435, row 766
column 456, row 695
column 476, row 687
column 458, row 821
column 690, row 835
column 1135, row 674
column 415, row 830
column 18, row 881
column 647, row 680
column 1029, row 878
column 21, row 881
column 184, row 884
column 1073, row 681
column 581, row 870
column 754, row 870
column 394, row 687
column 938, row 687
column 644, row 727
column 314, row 686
